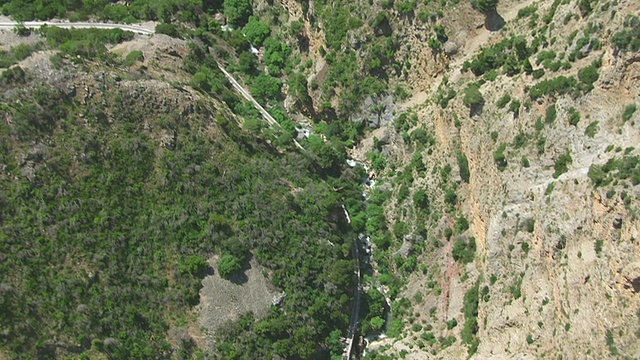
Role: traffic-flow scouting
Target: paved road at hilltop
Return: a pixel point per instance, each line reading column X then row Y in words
column 78, row 25
column 139, row 29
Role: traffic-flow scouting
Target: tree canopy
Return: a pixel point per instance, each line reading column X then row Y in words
column 237, row 11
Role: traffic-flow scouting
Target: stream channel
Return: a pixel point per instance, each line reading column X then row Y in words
column 362, row 252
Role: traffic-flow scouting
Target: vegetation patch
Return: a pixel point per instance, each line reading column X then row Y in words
column 561, row 165
column 592, row 129
column 470, row 312
column 463, row 165
column 574, row 116
column 510, row 54
column 629, row 38
column 628, row 112
column 464, row 251
column 560, row 85
column 499, row 157
column 627, row 167
column 16, row 53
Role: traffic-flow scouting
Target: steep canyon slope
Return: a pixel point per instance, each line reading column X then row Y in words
column 148, row 211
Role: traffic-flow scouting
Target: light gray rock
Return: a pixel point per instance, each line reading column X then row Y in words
column 450, row 48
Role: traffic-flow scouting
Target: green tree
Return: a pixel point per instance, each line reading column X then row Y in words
column 325, row 154
column 421, row 201
column 247, row 63
column 434, row 45
column 275, row 54
column 334, row 344
column 464, row 251
column 237, row 11
column 470, row 311
column 298, row 87
column 265, row 88
column 256, row 31
column 376, row 323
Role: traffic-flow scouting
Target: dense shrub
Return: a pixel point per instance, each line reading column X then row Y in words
column 545, row 55
column 574, row 116
column 463, row 165
column 443, row 100
column 168, row 29
column 551, row 114
column 470, row 311
column 514, row 107
column 520, row 140
column 586, row 6
column 588, row 75
column 499, row 158
column 405, row 7
column 12, row 75
column 133, row 57
column 421, row 200
column 511, row 52
column 527, row 11
column 629, row 38
column 464, row 251
column 627, row 167
column 473, row 97
column 15, row 54
column 194, row 265
column 503, row 101
column 591, row 129
column 227, row 265
column 557, row 86
column 561, row 165
column 85, row 43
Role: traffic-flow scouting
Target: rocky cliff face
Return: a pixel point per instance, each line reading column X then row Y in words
column 557, row 257
column 516, row 187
